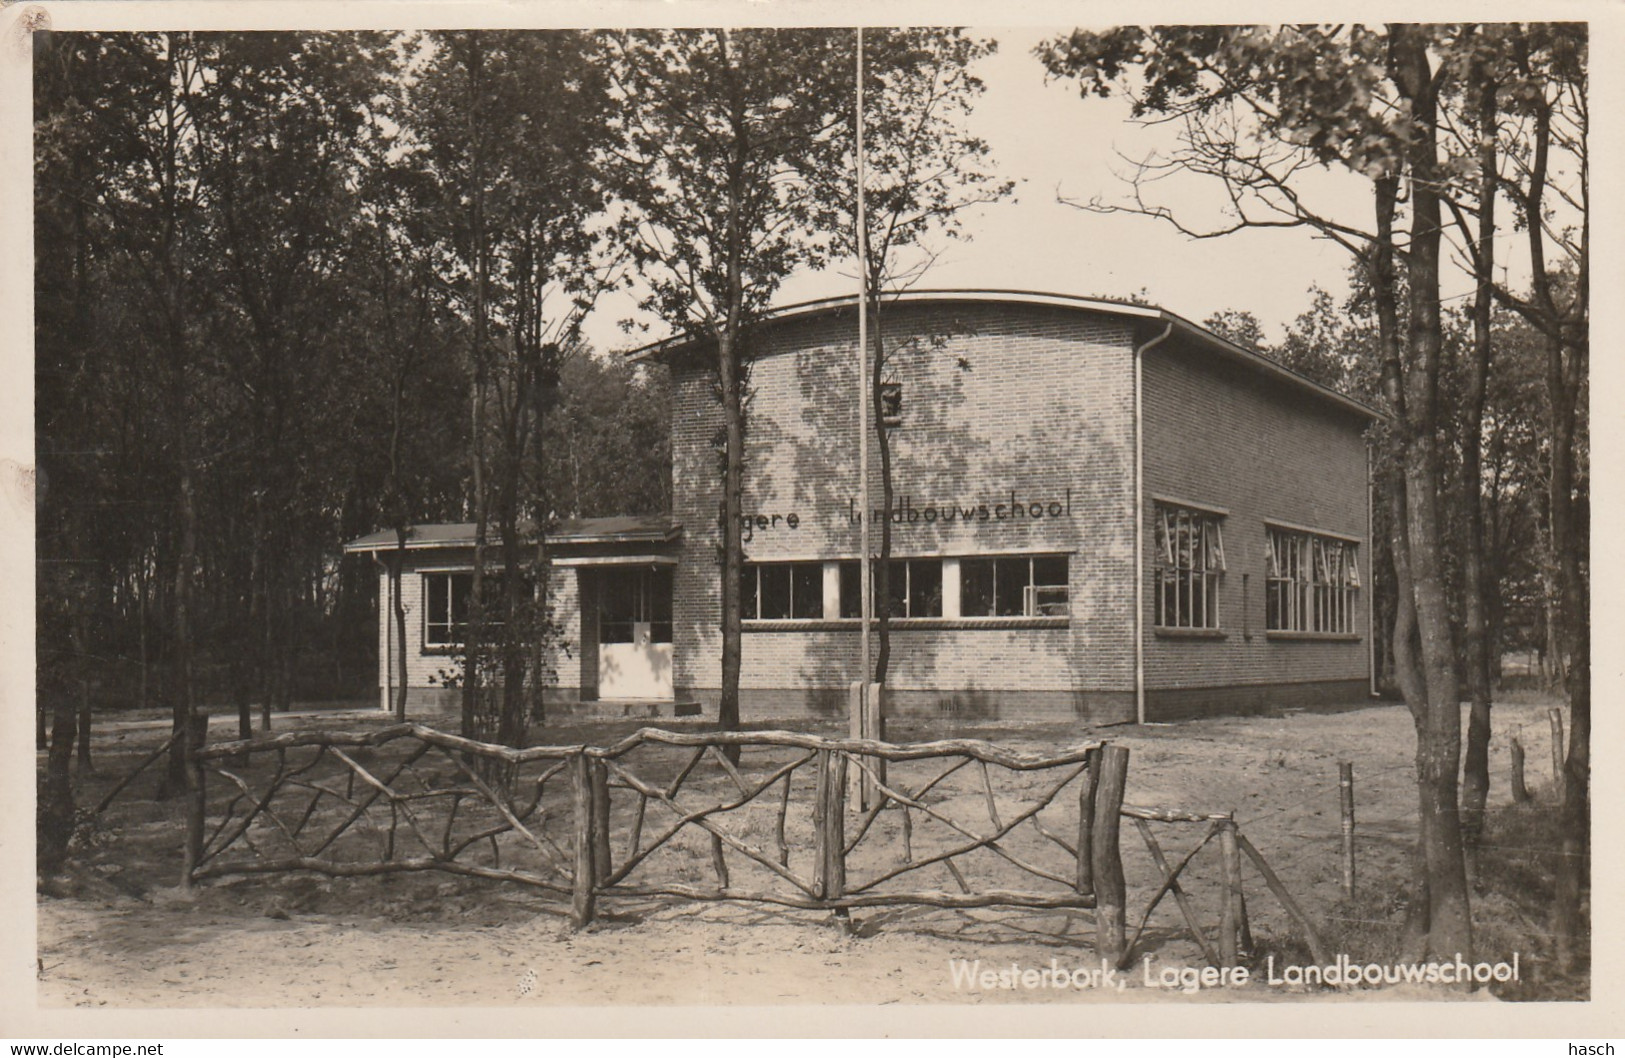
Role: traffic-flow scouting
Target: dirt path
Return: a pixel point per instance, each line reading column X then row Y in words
column 116, row 937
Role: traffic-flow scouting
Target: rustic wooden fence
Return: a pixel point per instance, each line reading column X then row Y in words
column 1233, row 939
column 741, row 816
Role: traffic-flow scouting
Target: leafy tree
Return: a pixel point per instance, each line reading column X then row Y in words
column 718, row 131
column 405, row 343
column 922, row 171
column 208, row 187
column 279, row 120
column 1237, row 325
column 1541, row 71
column 1257, row 106
column 509, row 125
column 608, row 440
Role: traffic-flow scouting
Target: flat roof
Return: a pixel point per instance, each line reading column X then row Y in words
column 1152, row 314
column 622, row 529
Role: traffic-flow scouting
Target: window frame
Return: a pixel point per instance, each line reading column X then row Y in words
column 748, row 596
column 456, row 630
column 1187, row 553
column 1312, row 582
column 907, row 589
column 1030, row 586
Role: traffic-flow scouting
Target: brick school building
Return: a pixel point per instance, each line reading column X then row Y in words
column 1102, row 512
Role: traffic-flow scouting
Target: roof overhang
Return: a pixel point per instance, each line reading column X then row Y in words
column 624, row 532
column 613, row 560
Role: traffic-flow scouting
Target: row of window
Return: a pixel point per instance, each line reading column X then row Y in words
column 625, row 601
column 1312, row 586
column 1312, row 581
column 1015, row 586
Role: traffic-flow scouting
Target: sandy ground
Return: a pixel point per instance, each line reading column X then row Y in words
column 115, row 933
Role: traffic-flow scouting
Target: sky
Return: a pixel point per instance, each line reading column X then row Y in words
column 1054, row 142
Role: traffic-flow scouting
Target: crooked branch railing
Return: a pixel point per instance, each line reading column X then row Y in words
column 1234, row 934
column 747, row 816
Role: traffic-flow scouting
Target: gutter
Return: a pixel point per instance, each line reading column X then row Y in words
column 1139, row 520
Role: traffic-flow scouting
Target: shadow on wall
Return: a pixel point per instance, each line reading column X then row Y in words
column 966, row 440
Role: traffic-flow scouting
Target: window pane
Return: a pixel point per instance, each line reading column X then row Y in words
column 618, row 597
column 807, row 590
column 925, row 588
column 658, row 605
column 462, row 588
column 1050, row 601
column 617, row 606
column 659, row 595
column 851, row 590
column 439, row 599
column 896, row 588
column 437, row 626
column 1010, row 586
column 976, row 587
column 1050, row 570
column 774, row 597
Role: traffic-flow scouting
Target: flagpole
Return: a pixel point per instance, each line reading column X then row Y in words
column 866, row 574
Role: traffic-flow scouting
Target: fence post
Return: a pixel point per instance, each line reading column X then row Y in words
column 1345, row 784
column 196, row 736
column 1085, row 884
column 1520, row 792
column 1230, row 854
column 829, row 826
column 1556, row 716
column 1106, row 856
column 600, row 819
column 581, row 903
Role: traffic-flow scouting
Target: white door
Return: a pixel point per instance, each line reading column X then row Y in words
column 634, row 634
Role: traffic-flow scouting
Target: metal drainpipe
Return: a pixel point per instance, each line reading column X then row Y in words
column 1139, row 522
column 388, row 603
column 1371, row 570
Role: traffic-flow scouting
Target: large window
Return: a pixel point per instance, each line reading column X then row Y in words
column 448, row 599
column 1189, row 564
column 445, row 622
column 781, row 591
column 1314, row 582
column 1019, row 586
column 632, row 597
column 915, row 588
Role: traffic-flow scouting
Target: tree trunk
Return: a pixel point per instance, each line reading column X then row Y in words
column 1426, row 673
column 1438, row 720
column 732, row 540
column 888, row 497
column 396, row 563
column 81, row 662
column 543, row 631
column 511, row 720
column 142, row 588
column 474, row 719
column 1565, row 372
column 180, row 688
column 56, row 808
column 1476, row 640
column 730, row 371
